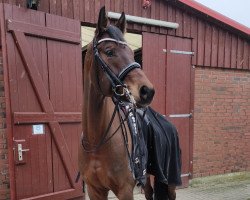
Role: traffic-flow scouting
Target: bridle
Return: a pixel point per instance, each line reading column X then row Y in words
column 118, row 87
column 127, row 108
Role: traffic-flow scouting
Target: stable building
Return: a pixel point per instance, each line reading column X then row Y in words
column 197, row 59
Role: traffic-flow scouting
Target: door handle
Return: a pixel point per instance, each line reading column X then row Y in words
column 20, row 151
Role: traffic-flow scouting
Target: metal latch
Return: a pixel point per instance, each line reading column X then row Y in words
column 20, row 151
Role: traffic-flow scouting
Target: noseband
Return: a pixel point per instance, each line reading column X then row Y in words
column 115, row 80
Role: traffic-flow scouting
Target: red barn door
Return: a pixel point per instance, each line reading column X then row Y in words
column 167, row 63
column 45, row 79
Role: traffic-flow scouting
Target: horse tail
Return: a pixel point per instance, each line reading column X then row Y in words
column 77, row 179
column 83, row 187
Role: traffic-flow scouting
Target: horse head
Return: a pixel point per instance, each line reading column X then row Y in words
column 114, row 67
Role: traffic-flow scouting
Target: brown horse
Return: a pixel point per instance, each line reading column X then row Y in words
column 109, row 69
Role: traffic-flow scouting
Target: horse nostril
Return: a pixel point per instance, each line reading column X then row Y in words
column 146, row 94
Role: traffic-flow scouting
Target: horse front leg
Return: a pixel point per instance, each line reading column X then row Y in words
column 126, row 193
column 97, row 193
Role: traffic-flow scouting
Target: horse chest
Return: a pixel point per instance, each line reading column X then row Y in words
column 98, row 165
column 100, row 173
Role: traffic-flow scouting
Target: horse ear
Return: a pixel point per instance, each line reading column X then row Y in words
column 121, row 24
column 102, row 21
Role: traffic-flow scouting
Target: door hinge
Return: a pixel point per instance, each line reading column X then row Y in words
column 186, row 175
column 179, row 52
column 189, row 115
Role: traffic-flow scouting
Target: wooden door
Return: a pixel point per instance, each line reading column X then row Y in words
column 45, row 79
column 167, row 62
column 178, row 96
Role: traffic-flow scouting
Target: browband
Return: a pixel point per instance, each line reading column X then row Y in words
column 111, row 40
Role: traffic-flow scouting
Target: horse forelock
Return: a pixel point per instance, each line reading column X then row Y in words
column 113, row 32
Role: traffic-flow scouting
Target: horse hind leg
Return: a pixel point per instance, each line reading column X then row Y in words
column 97, row 193
column 163, row 191
column 148, row 190
column 171, row 192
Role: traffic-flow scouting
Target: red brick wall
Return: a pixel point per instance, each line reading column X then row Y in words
column 221, row 121
column 4, row 171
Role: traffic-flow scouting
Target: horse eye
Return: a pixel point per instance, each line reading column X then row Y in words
column 109, row 53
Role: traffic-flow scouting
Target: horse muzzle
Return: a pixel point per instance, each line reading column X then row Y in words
column 146, row 95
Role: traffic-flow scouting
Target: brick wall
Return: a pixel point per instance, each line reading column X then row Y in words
column 221, row 121
column 4, row 172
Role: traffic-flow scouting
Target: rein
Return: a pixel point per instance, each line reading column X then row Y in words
column 104, row 140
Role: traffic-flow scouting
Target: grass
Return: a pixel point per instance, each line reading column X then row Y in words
column 221, row 179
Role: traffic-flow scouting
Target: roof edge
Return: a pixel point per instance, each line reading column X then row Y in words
column 216, row 15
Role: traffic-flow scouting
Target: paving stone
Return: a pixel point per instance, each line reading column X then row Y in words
column 222, row 190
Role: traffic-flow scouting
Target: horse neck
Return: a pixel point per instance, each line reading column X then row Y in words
column 97, row 112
